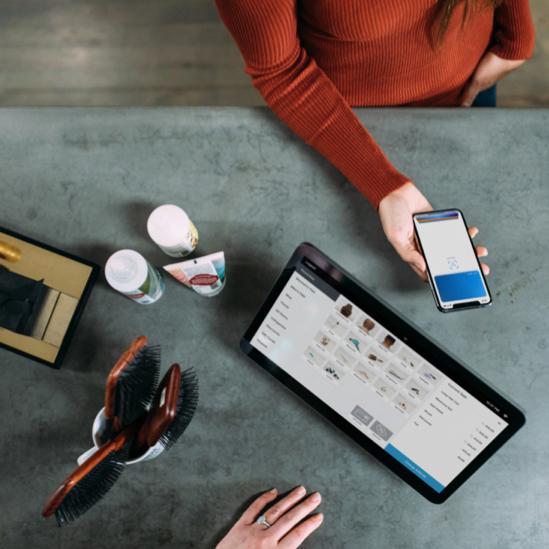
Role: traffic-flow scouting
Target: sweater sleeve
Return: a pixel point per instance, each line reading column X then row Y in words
column 514, row 33
column 303, row 96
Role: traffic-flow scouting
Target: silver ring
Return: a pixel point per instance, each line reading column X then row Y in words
column 262, row 521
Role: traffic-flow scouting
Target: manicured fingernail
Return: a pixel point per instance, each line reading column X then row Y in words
column 301, row 490
column 273, row 491
column 319, row 517
column 316, row 497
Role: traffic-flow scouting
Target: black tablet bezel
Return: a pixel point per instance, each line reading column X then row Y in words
column 407, row 332
column 94, row 273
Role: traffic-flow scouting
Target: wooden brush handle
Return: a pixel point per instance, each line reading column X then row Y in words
column 163, row 410
column 114, row 375
column 81, row 471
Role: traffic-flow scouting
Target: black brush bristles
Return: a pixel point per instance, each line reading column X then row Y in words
column 187, row 402
column 137, row 384
column 91, row 488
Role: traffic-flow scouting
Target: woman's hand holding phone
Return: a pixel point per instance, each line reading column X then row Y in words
column 395, row 212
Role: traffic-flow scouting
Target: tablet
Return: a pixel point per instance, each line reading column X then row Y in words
column 377, row 377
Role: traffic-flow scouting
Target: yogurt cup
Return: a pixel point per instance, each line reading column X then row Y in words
column 171, row 229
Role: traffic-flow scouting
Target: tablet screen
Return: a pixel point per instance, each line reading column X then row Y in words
column 400, row 401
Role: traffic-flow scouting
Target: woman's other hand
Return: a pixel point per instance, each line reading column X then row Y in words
column 289, row 519
column 395, row 212
column 490, row 70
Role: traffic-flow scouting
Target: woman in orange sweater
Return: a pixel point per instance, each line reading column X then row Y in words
column 312, row 60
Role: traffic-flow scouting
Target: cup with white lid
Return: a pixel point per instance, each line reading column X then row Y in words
column 101, row 434
column 171, row 229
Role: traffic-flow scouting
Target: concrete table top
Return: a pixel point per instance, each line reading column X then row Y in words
column 85, row 180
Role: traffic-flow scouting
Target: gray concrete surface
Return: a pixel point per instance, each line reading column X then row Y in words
column 85, row 181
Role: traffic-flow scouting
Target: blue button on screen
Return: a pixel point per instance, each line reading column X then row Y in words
column 416, row 469
column 458, row 286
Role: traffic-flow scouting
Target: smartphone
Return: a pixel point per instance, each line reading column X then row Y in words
column 453, row 268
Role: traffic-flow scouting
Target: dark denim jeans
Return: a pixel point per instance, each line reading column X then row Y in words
column 487, row 98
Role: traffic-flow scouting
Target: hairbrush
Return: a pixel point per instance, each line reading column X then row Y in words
column 171, row 412
column 172, row 406
column 90, row 481
column 131, row 384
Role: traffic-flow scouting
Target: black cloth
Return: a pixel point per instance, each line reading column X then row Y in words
column 20, row 301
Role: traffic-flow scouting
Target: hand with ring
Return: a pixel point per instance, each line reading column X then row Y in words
column 285, row 525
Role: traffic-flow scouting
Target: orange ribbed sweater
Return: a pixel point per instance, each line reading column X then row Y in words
column 312, row 60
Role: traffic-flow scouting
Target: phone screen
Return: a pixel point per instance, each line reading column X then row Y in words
column 454, row 270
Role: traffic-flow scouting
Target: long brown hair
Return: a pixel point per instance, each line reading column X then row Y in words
column 445, row 10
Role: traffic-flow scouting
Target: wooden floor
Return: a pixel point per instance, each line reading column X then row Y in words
column 159, row 52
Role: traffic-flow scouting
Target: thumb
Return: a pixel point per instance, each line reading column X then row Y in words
column 470, row 94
